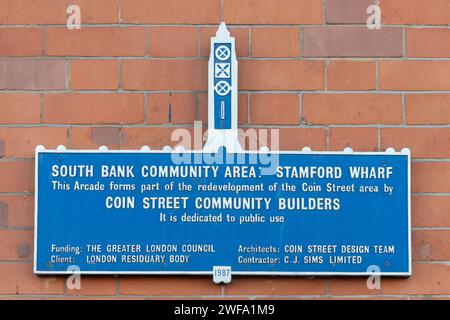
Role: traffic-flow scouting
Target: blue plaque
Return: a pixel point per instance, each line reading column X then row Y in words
column 209, row 211
column 158, row 212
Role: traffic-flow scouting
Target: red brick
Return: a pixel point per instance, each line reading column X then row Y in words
column 96, row 41
column 275, row 286
column 427, row 109
column 18, row 279
column 430, row 211
column 20, row 108
column 164, row 108
column 17, row 176
column 173, row 42
column 33, row 12
column 352, row 42
column 359, row 139
column 352, row 75
column 274, row 109
column 351, row 286
column 296, row 139
column 16, row 211
column 430, row 245
column 32, row 74
column 415, row 11
column 241, row 36
column 164, row 74
column 273, row 12
column 428, row 43
column 154, row 137
column 348, row 11
column 175, row 11
column 98, row 11
column 275, row 42
column 94, row 137
column 281, row 75
column 414, row 75
column 430, row 177
column 168, row 286
column 98, row 286
column 21, row 142
column 352, row 109
column 20, row 42
column 106, row 135
column 423, row 142
column 94, row 108
column 94, row 75
column 429, row 279
column 16, row 245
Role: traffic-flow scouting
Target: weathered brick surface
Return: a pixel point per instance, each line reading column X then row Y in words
column 168, row 286
column 270, row 286
column 16, row 211
column 430, row 211
column 94, row 108
column 32, row 74
column 103, row 286
column 359, row 139
column 348, row 11
column 176, row 108
column 415, row 75
column 17, row 176
column 136, row 71
column 275, row 42
column 424, row 143
column 98, row 11
column 273, row 11
column 352, row 109
column 431, row 177
column 178, row 11
column 427, row 109
column 298, row 138
column 163, row 39
column 20, row 142
column 352, row 75
column 94, row 75
column 428, row 43
column 274, row 109
column 96, row 41
column 94, row 137
column 413, row 12
column 33, row 12
column 20, row 108
column 18, row 279
column 284, row 75
column 430, row 245
column 16, row 245
column 352, row 42
column 164, row 74
column 12, row 42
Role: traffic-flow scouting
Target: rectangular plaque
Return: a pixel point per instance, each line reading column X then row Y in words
column 280, row 213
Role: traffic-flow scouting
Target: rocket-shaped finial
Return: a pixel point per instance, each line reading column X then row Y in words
column 222, row 31
column 222, row 93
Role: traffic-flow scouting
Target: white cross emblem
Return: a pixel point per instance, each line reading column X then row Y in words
column 223, row 70
column 223, row 53
column 222, row 88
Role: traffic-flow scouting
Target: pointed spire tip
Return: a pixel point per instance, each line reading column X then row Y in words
column 223, row 31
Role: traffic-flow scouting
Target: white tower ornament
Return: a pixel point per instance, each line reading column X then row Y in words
column 222, row 93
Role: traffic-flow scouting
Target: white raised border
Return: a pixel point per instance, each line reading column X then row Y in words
column 167, row 149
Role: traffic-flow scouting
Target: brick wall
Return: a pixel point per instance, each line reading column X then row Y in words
column 138, row 68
